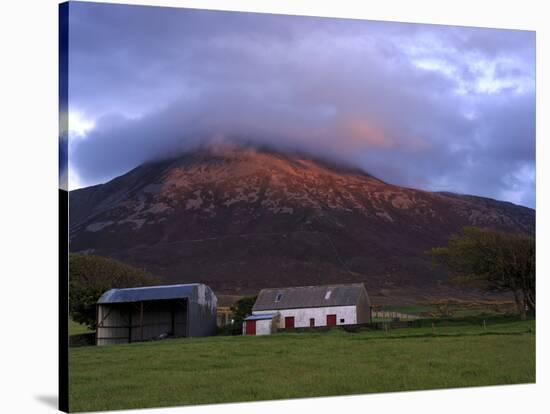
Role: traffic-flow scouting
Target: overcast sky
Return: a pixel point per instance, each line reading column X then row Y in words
column 425, row 106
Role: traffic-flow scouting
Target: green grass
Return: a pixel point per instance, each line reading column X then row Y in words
column 453, row 353
column 457, row 310
column 75, row 328
column 474, row 312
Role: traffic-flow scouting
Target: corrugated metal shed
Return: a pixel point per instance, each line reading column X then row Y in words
column 309, row 297
column 139, row 314
column 260, row 317
column 148, row 293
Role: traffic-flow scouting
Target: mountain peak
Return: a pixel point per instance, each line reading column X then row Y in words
column 256, row 159
column 242, row 218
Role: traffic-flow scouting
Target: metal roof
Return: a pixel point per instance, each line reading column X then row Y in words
column 309, row 297
column 142, row 294
column 260, row 317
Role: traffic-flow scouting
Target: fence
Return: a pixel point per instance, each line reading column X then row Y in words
column 394, row 315
column 385, row 326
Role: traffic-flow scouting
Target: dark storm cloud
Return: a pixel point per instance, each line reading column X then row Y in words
column 434, row 107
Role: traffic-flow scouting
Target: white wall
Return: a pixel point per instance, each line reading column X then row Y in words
column 302, row 316
column 263, row 327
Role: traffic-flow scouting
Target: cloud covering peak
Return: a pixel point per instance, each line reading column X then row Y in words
column 427, row 106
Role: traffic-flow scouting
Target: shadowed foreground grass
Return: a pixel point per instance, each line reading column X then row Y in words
column 292, row 365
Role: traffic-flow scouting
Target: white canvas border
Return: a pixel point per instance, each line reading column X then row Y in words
column 29, row 203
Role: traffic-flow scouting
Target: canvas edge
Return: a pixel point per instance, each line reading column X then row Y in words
column 63, row 199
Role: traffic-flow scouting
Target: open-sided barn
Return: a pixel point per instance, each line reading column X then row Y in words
column 309, row 306
column 139, row 314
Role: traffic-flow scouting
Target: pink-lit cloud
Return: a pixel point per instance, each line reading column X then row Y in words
column 435, row 107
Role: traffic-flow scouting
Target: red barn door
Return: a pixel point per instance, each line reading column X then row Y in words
column 331, row 320
column 251, row 327
column 289, row 322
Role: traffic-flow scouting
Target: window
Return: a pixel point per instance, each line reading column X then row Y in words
column 341, row 320
column 327, row 295
column 278, row 297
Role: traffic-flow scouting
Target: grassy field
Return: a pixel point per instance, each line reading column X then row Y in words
column 456, row 353
column 455, row 308
column 76, row 328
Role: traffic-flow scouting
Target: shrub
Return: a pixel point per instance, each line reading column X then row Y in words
column 90, row 276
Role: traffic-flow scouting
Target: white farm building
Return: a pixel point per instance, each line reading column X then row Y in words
column 308, row 307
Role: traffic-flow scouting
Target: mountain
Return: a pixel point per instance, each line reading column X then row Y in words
column 244, row 219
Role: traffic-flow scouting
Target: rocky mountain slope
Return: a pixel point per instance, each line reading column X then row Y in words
column 241, row 219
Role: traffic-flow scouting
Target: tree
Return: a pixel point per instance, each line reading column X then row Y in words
column 241, row 309
column 90, row 276
column 494, row 261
